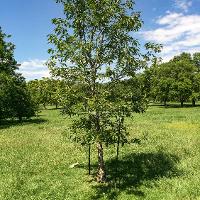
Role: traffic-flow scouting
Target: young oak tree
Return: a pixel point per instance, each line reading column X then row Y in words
column 94, row 44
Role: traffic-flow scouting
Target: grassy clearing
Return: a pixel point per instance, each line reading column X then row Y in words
column 35, row 159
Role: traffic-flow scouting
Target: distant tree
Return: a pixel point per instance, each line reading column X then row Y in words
column 162, row 83
column 196, row 81
column 93, row 45
column 47, row 91
column 183, row 57
column 195, row 88
column 183, row 75
column 196, row 60
column 35, row 91
column 59, row 90
column 7, row 62
column 146, row 79
column 187, row 83
column 15, row 101
column 176, row 80
column 41, row 91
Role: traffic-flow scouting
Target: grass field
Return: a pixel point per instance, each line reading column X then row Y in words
column 35, row 158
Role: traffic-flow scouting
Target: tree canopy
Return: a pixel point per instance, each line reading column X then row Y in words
column 175, row 80
column 15, row 100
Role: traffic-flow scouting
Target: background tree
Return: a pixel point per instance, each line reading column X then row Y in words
column 162, row 83
column 96, row 38
column 196, row 60
column 58, row 91
column 8, row 64
column 47, row 91
column 15, row 101
column 182, row 85
column 176, row 80
column 196, row 82
column 183, row 72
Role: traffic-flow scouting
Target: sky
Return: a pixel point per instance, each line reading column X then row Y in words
column 173, row 23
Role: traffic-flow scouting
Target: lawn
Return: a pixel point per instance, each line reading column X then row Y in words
column 36, row 156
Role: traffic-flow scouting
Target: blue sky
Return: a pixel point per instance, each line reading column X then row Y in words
column 174, row 23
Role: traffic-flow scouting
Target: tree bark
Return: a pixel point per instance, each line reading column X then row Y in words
column 20, row 118
column 101, row 173
column 181, row 103
column 193, row 103
column 89, row 166
column 56, row 105
column 117, row 157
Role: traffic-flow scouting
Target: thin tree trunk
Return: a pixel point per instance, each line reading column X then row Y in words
column 118, row 142
column 89, row 166
column 165, row 103
column 193, row 103
column 117, row 158
column 20, row 119
column 101, row 173
column 117, row 161
column 181, row 103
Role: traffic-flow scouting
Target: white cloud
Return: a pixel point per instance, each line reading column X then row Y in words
column 174, row 26
column 34, row 69
column 177, row 32
column 183, row 4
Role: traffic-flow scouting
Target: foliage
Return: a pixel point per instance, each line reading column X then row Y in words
column 47, row 91
column 176, row 80
column 15, row 101
column 7, row 62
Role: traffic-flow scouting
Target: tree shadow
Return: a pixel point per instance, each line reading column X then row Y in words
column 59, row 108
column 9, row 123
column 171, row 105
column 135, row 170
column 179, row 106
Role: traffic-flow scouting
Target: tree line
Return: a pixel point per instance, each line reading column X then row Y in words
column 176, row 80
column 48, row 91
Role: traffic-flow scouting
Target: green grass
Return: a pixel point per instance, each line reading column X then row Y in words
column 35, row 159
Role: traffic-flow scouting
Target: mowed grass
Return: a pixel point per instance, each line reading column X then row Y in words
column 35, row 157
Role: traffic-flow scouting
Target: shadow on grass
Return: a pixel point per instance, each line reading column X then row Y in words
column 174, row 106
column 135, row 170
column 9, row 123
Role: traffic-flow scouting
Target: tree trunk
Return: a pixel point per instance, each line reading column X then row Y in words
column 193, row 103
column 181, row 103
column 117, row 160
column 56, row 105
column 165, row 103
column 89, row 166
column 117, row 157
column 101, row 173
column 20, row 118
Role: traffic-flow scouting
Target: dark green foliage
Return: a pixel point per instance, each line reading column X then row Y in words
column 7, row 62
column 15, row 100
column 176, row 80
column 47, row 91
